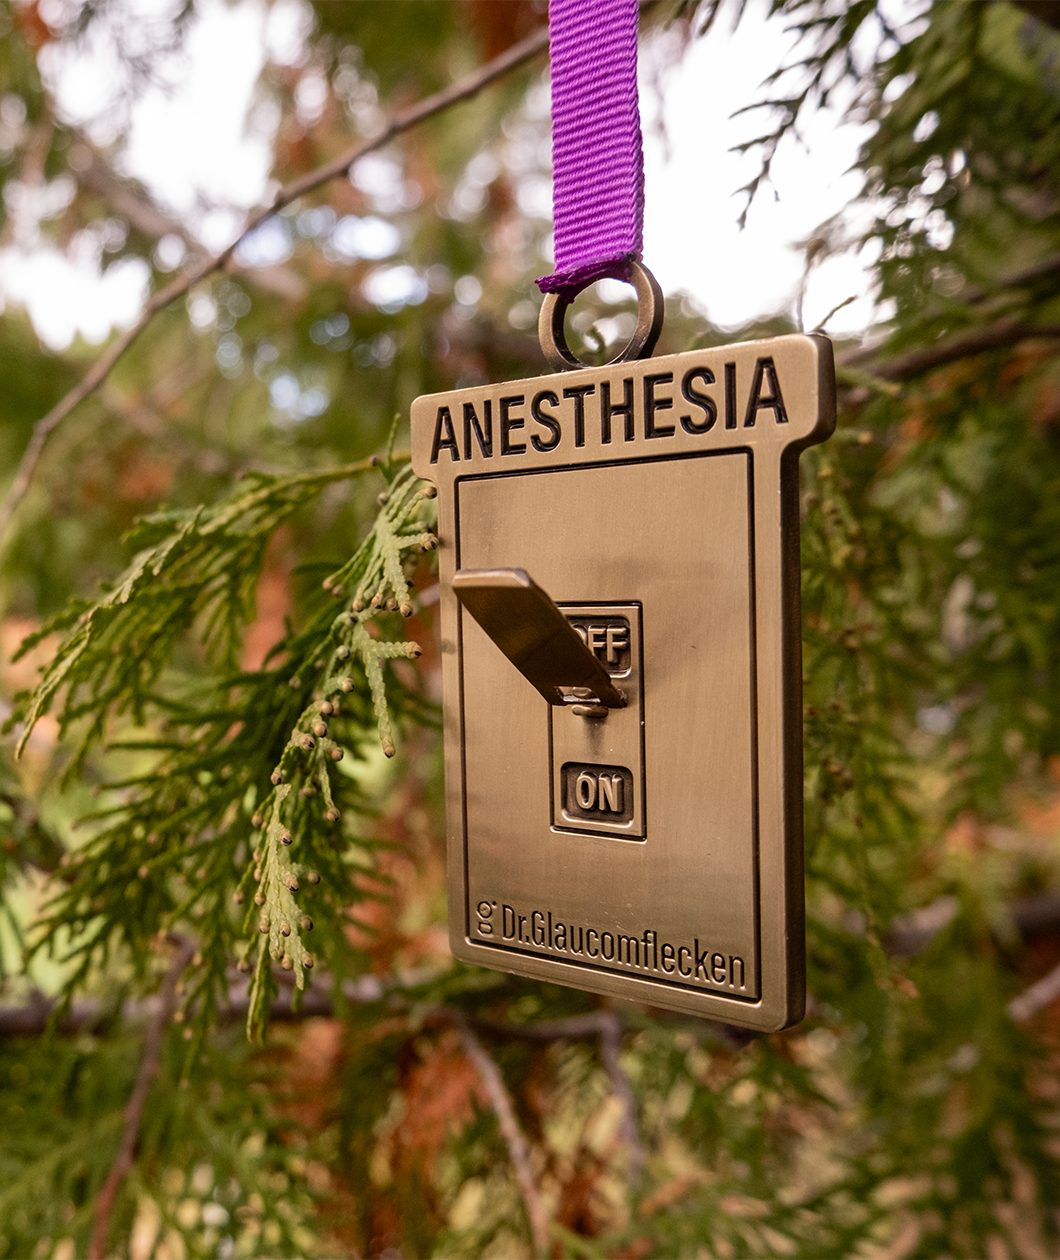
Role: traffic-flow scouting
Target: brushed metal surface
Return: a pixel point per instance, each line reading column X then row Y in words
column 668, row 487
column 698, row 722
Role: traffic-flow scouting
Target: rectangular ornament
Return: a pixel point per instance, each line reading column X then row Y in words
column 653, row 851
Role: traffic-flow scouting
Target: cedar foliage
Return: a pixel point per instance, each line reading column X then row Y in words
column 197, row 689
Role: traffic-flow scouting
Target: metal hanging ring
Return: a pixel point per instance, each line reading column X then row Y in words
column 649, row 322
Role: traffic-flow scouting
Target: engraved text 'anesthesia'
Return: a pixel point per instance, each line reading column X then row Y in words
column 545, row 419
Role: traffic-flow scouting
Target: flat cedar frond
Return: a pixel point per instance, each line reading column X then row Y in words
column 244, row 791
column 200, row 563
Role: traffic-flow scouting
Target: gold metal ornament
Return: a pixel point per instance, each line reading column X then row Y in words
column 620, row 636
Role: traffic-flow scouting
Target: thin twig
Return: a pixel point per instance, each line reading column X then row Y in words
column 918, row 362
column 1037, row 997
column 606, row 1026
column 93, row 173
column 996, row 337
column 134, row 1108
column 518, row 1147
column 1044, row 269
column 31, row 174
column 629, row 1131
column 147, row 421
column 95, row 377
column 36, row 1015
column 401, row 122
column 133, row 204
column 1044, row 10
column 907, row 937
column 545, row 1029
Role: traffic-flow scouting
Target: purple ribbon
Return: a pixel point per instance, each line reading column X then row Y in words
column 597, row 159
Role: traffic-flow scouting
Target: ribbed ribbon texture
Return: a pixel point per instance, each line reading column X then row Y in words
column 597, row 159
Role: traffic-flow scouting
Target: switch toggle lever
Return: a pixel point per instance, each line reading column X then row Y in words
column 535, row 636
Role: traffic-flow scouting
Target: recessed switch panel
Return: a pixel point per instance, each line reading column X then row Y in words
column 598, row 760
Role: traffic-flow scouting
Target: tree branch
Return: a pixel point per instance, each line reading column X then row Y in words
column 610, row 1044
column 94, row 174
column 31, row 172
column 34, row 1016
column 1043, row 270
column 403, row 121
column 907, row 937
column 1038, row 996
column 518, row 1148
column 607, row 1026
column 133, row 203
column 576, row 1026
column 918, row 362
column 147, row 421
column 134, row 1109
column 1046, row 11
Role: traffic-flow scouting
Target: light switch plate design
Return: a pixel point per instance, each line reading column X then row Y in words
column 653, row 854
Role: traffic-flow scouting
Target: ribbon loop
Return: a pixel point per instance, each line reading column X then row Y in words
column 641, row 343
column 597, row 158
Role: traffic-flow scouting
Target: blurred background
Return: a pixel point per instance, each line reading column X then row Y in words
column 887, row 172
